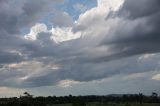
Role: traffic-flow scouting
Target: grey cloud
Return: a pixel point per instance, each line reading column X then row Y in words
column 138, row 32
column 14, row 16
column 134, row 37
column 50, row 78
column 9, row 77
column 138, row 9
column 86, row 58
column 110, row 85
column 6, row 57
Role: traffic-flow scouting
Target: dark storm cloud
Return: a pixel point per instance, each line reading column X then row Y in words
column 14, row 16
column 138, row 9
column 138, row 33
column 135, row 36
column 6, row 57
column 83, row 59
column 50, row 78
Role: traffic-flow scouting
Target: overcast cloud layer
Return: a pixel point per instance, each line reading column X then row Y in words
column 113, row 43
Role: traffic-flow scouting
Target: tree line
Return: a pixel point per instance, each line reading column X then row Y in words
column 30, row 100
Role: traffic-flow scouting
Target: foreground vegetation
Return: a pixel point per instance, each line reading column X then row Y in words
column 92, row 100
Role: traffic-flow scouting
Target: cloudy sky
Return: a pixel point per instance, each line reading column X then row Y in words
column 79, row 47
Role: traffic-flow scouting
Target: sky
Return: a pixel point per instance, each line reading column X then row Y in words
column 79, row 47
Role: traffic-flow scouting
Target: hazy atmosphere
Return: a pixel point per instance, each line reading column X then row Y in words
column 79, row 47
